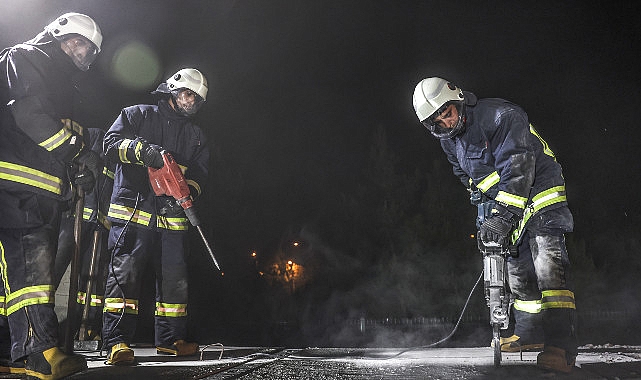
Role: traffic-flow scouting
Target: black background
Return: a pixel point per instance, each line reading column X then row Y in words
column 302, row 92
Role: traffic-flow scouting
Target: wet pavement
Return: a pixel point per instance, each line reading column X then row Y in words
column 218, row 362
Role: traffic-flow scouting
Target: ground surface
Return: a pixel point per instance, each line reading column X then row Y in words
column 593, row 362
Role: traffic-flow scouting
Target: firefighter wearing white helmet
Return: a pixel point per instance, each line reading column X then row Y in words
column 80, row 38
column 499, row 156
column 44, row 157
column 148, row 228
column 188, row 89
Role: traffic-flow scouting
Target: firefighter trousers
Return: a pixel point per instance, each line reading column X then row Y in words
column 539, row 278
column 132, row 249
column 27, row 254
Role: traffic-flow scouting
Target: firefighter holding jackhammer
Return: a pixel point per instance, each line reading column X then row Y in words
column 42, row 151
column 147, row 229
column 494, row 148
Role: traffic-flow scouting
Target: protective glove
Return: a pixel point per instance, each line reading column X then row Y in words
column 150, row 156
column 170, row 208
column 91, row 165
column 497, row 227
column 84, row 179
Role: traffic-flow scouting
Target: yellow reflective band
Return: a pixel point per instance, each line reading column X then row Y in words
column 489, row 181
column 532, row 307
column 116, row 305
column 57, row 139
column 511, row 199
column 107, row 173
column 86, row 213
column 96, row 300
column 28, row 176
column 102, row 218
column 174, row 224
column 31, row 295
column 557, row 299
column 171, row 309
column 3, row 270
column 3, row 307
column 137, row 150
column 125, row 213
column 122, row 150
column 539, row 201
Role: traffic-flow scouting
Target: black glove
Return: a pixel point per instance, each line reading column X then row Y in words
column 84, row 179
column 170, row 208
column 497, row 227
column 151, row 157
column 92, row 165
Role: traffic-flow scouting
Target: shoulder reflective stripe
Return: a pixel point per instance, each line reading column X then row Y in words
column 539, row 201
column 125, row 213
column 557, row 299
column 122, row 151
column 175, row 224
column 511, row 199
column 171, row 309
column 546, row 148
column 58, row 139
column 195, row 185
column 116, row 305
column 489, row 181
column 31, row 295
column 29, row 176
column 532, row 307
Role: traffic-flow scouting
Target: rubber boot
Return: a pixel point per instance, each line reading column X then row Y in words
column 9, row 366
column 555, row 359
column 179, row 348
column 514, row 343
column 121, row 354
column 53, row 364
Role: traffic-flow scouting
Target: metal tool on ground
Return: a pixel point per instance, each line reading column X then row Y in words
column 169, row 180
column 85, row 341
column 75, row 271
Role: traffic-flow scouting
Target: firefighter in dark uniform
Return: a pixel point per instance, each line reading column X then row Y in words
column 41, row 143
column 94, row 226
column 493, row 148
column 146, row 228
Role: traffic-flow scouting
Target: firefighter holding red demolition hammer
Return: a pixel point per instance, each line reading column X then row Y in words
column 149, row 229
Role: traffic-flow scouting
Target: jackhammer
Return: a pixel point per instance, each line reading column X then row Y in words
column 497, row 291
column 169, row 180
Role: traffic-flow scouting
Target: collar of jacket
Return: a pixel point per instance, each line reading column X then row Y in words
column 168, row 112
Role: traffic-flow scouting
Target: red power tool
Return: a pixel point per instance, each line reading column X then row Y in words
column 169, row 180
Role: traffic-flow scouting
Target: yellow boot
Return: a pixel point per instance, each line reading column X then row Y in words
column 179, row 348
column 555, row 359
column 121, row 354
column 53, row 364
column 514, row 344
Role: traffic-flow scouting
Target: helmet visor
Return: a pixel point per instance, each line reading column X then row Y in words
column 447, row 120
column 187, row 101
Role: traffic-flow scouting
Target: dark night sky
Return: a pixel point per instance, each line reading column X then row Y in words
column 297, row 87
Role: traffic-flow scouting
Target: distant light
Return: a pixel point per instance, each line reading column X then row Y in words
column 472, row 236
column 136, row 66
column 289, row 262
column 254, row 254
column 295, row 244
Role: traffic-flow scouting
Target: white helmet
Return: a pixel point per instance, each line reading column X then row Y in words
column 431, row 97
column 76, row 23
column 191, row 79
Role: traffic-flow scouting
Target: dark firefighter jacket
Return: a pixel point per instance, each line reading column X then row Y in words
column 39, row 137
column 97, row 201
column 133, row 198
column 502, row 154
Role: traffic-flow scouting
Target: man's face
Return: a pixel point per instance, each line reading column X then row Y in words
column 188, row 101
column 82, row 51
column 448, row 118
